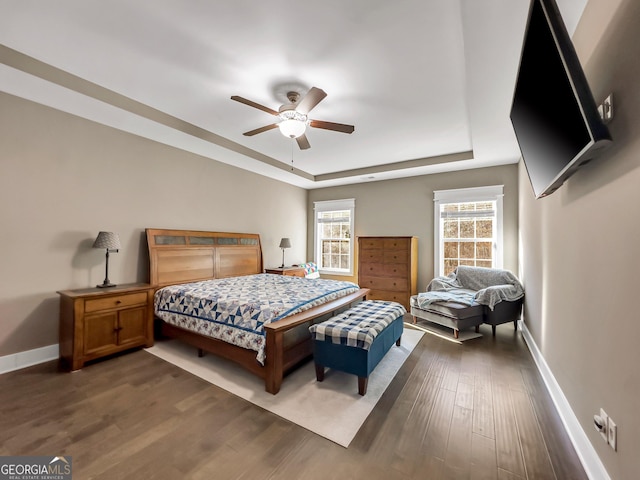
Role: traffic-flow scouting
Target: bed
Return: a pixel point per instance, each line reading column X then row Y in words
column 179, row 257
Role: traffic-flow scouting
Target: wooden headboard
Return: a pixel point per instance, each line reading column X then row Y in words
column 182, row 256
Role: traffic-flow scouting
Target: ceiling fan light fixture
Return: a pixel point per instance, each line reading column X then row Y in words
column 292, row 124
column 292, row 128
column 293, row 116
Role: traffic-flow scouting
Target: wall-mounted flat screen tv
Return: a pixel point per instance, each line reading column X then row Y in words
column 554, row 115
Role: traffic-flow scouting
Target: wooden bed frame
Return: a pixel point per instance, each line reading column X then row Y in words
column 183, row 256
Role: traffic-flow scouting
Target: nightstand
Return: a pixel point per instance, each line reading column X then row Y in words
column 291, row 271
column 96, row 322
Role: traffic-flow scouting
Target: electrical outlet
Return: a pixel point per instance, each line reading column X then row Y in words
column 605, row 109
column 600, row 422
column 612, row 434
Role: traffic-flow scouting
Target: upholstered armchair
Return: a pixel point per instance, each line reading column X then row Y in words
column 470, row 296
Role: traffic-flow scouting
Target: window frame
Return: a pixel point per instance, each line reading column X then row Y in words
column 332, row 206
column 494, row 193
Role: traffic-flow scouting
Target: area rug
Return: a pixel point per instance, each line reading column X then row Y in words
column 332, row 408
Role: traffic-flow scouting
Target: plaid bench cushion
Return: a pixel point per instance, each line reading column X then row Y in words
column 358, row 326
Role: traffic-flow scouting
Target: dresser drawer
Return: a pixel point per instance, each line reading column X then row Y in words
column 384, row 283
column 371, row 243
column 371, row 270
column 372, row 256
column 395, row 256
column 287, row 271
column 396, row 244
column 384, row 256
column 119, row 301
column 399, row 297
column 395, row 270
column 295, row 272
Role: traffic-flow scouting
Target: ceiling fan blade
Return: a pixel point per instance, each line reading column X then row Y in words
column 260, row 130
column 254, row 105
column 303, row 142
column 310, row 100
column 337, row 127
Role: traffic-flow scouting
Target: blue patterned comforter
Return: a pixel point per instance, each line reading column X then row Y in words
column 235, row 309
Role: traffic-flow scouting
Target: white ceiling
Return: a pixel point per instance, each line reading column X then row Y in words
column 427, row 83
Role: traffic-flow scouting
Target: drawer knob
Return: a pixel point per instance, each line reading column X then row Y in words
column 118, row 302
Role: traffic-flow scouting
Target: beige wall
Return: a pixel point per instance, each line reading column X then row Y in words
column 580, row 262
column 405, row 207
column 62, row 179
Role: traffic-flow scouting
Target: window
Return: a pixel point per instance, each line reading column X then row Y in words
column 333, row 236
column 468, row 228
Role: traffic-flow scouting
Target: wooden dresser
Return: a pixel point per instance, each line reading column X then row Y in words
column 96, row 322
column 389, row 267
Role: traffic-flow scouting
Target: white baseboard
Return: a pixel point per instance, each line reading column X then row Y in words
column 589, row 458
column 19, row 360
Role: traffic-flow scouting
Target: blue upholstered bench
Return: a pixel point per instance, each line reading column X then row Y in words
column 356, row 340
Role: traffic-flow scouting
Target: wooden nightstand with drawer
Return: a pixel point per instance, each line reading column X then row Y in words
column 96, row 322
column 290, row 271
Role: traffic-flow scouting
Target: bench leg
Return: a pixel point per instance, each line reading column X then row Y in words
column 493, row 330
column 200, row 353
column 477, row 328
column 456, row 333
column 398, row 341
column 319, row 372
column 362, row 385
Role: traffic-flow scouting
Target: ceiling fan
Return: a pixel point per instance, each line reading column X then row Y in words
column 294, row 116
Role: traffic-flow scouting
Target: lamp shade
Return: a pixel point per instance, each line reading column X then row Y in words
column 285, row 243
column 108, row 240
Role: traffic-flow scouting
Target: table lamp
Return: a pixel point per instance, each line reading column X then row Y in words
column 109, row 241
column 284, row 243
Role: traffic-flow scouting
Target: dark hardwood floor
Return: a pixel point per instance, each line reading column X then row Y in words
column 473, row 411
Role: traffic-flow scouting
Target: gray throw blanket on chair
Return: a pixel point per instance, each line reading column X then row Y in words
column 491, row 285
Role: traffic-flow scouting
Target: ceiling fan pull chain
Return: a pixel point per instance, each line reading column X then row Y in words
column 292, row 140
